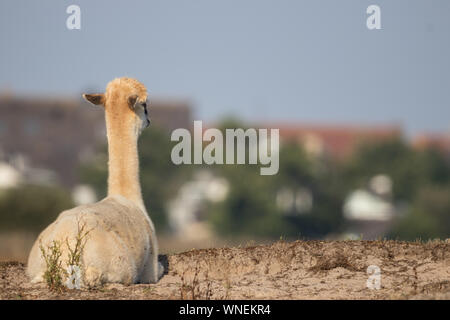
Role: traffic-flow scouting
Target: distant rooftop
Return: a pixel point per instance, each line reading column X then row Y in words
column 437, row 141
column 336, row 140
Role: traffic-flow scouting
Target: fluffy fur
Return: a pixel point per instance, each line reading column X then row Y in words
column 122, row 245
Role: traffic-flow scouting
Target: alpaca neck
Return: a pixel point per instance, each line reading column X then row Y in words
column 123, row 165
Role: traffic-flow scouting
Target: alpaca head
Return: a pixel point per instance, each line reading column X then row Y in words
column 125, row 103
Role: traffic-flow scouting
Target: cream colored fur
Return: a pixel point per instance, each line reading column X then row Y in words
column 121, row 246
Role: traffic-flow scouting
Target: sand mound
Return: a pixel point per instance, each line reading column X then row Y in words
column 283, row 270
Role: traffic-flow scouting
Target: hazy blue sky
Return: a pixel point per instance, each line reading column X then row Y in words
column 261, row 60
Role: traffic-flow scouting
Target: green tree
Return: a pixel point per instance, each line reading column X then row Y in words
column 250, row 208
column 436, row 167
column 428, row 218
column 319, row 176
column 394, row 158
column 421, row 180
column 31, row 207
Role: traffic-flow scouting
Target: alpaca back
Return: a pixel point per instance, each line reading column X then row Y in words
column 117, row 243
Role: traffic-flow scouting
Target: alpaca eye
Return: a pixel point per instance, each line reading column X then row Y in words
column 145, row 107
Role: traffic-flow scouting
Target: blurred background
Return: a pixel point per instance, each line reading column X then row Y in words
column 364, row 116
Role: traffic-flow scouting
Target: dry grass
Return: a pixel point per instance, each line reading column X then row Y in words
column 194, row 290
column 56, row 272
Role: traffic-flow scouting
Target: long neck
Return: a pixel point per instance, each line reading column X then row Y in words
column 123, row 164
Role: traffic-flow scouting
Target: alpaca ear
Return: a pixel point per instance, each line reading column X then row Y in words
column 132, row 100
column 95, row 99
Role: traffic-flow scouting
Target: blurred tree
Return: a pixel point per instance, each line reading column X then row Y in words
column 319, row 177
column 428, row 218
column 436, row 167
column 421, row 179
column 394, row 158
column 31, row 207
column 251, row 210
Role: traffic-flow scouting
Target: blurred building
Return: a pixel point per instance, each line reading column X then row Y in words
column 297, row 201
column 83, row 194
column 171, row 114
column 371, row 211
column 58, row 133
column 9, row 176
column 334, row 141
column 187, row 211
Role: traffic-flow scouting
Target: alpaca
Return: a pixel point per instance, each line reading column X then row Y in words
column 121, row 246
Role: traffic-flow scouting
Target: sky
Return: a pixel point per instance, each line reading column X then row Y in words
column 312, row 61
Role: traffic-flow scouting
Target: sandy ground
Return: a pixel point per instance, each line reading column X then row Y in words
column 283, row 270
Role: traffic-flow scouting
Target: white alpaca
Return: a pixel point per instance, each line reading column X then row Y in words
column 121, row 246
